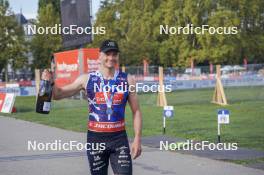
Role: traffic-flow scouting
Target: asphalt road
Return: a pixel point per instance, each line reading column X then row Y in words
column 15, row 158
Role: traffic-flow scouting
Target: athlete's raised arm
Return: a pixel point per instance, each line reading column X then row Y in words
column 68, row 90
column 137, row 118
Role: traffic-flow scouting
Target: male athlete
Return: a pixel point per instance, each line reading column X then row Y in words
column 107, row 95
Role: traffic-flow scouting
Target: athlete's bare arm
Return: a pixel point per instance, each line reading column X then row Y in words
column 68, row 90
column 137, row 118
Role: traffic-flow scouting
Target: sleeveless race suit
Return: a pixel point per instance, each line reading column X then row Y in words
column 105, row 129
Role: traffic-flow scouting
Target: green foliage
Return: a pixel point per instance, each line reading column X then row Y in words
column 55, row 4
column 44, row 45
column 135, row 24
column 12, row 43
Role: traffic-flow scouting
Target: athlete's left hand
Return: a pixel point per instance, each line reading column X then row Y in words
column 136, row 148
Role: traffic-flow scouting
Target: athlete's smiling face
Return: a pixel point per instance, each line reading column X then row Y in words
column 109, row 59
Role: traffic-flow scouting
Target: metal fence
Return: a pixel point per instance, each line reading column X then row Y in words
column 202, row 77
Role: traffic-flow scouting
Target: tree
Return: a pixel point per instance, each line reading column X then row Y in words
column 135, row 25
column 130, row 22
column 12, row 42
column 55, row 4
column 44, row 45
column 251, row 15
column 220, row 48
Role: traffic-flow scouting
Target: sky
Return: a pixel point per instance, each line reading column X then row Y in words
column 29, row 7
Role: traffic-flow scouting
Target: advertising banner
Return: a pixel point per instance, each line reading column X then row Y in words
column 71, row 64
column 2, row 100
column 7, row 102
column 90, row 59
column 67, row 67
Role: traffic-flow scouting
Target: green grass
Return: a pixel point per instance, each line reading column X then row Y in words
column 204, row 96
column 248, row 161
column 195, row 117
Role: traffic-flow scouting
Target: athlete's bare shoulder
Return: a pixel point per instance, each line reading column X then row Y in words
column 132, row 84
column 84, row 78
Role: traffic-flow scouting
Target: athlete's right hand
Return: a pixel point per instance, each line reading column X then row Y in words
column 136, row 148
column 46, row 75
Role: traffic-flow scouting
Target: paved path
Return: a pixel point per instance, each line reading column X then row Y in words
column 239, row 154
column 16, row 159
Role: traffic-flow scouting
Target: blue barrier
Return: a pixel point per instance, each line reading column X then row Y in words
column 20, row 91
